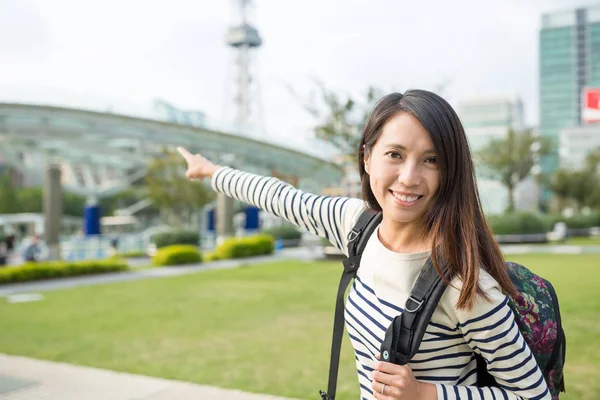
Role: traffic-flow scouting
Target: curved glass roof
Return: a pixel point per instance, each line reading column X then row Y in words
column 108, row 149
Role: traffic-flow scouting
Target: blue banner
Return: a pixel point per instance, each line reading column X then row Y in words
column 252, row 218
column 91, row 220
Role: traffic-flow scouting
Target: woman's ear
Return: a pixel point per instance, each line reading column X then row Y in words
column 366, row 159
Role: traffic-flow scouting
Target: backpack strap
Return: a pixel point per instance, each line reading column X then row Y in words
column 403, row 337
column 357, row 241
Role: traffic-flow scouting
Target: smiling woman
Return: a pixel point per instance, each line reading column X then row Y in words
column 416, row 170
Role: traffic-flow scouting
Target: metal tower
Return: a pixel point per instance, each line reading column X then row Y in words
column 243, row 38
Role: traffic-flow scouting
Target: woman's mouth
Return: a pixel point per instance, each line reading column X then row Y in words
column 406, row 200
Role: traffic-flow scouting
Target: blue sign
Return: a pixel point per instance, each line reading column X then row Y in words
column 252, row 218
column 210, row 220
column 91, row 220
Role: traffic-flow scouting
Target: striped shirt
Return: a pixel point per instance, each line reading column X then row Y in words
column 446, row 356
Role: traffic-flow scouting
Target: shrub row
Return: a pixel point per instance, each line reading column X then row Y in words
column 177, row 255
column 284, row 232
column 582, row 221
column 519, row 223
column 250, row 246
column 58, row 269
column 132, row 254
column 232, row 248
column 525, row 223
column 177, row 237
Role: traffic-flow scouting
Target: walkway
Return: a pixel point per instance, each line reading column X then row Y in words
column 28, row 379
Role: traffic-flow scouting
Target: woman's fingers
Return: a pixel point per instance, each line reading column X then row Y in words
column 198, row 166
column 194, row 162
column 185, row 154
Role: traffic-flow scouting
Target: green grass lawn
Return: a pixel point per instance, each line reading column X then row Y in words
column 260, row 328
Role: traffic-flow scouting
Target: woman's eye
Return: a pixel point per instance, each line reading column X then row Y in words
column 431, row 160
column 394, row 154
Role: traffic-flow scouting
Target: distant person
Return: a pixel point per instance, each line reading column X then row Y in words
column 3, row 250
column 416, row 169
column 114, row 246
column 33, row 251
column 10, row 243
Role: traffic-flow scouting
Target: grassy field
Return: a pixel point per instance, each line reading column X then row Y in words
column 260, row 328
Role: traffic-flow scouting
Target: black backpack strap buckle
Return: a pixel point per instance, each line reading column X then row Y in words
column 353, row 235
column 410, row 300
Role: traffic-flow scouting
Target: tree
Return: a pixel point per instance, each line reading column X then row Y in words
column 122, row 199
column 73, row 204
column 341, row 118
column 30, row 199
column 593, row 200
column 561, row 185
column 583, row 185
column 172, row 192
column 585, row 190
column 9, row 202
column 511, row 159
column 592, row 161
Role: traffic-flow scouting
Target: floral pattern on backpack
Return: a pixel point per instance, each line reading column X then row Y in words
column 538, row 318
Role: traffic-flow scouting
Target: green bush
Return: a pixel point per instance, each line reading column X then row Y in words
column 176, row 237
column 284, row 232
column 582, row 221
column 177, row 255
column 130, row 254
column 213, row 256
column 59, row 269
column 519, row 223
column 246, row 247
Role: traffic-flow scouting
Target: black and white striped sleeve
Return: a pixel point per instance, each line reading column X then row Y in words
column 491, row 331
column 328, row 217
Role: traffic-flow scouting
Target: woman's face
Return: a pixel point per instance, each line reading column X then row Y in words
column 403, row 171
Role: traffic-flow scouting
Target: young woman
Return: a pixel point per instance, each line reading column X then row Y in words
column 416, row 168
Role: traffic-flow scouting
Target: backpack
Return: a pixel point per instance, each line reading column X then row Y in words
column 535, row 308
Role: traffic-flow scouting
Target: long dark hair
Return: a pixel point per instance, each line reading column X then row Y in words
column 455, row 220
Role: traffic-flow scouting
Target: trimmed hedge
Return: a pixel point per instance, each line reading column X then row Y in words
column 519, row 223
column 132, row 254
column 250, row 246
column 59, row 269
column 177, row 237
column 284, row 232
column 582, row 221
column 177, row 255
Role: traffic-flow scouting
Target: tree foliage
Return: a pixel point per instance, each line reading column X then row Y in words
column 511, row 159
column 341, row 118
column 580, row 188
column 172, row 192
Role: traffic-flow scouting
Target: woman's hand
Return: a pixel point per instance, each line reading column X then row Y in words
column 198, row 166
column 400, row 383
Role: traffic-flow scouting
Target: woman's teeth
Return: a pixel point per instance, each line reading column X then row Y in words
column 406, row 198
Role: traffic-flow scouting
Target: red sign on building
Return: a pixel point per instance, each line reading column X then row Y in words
column 590, row 109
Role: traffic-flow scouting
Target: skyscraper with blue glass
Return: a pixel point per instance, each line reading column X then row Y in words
column 569, row 62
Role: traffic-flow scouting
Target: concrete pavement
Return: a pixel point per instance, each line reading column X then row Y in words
column 28, row 379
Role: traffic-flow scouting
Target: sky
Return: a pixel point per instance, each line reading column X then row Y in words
column 123, row 54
